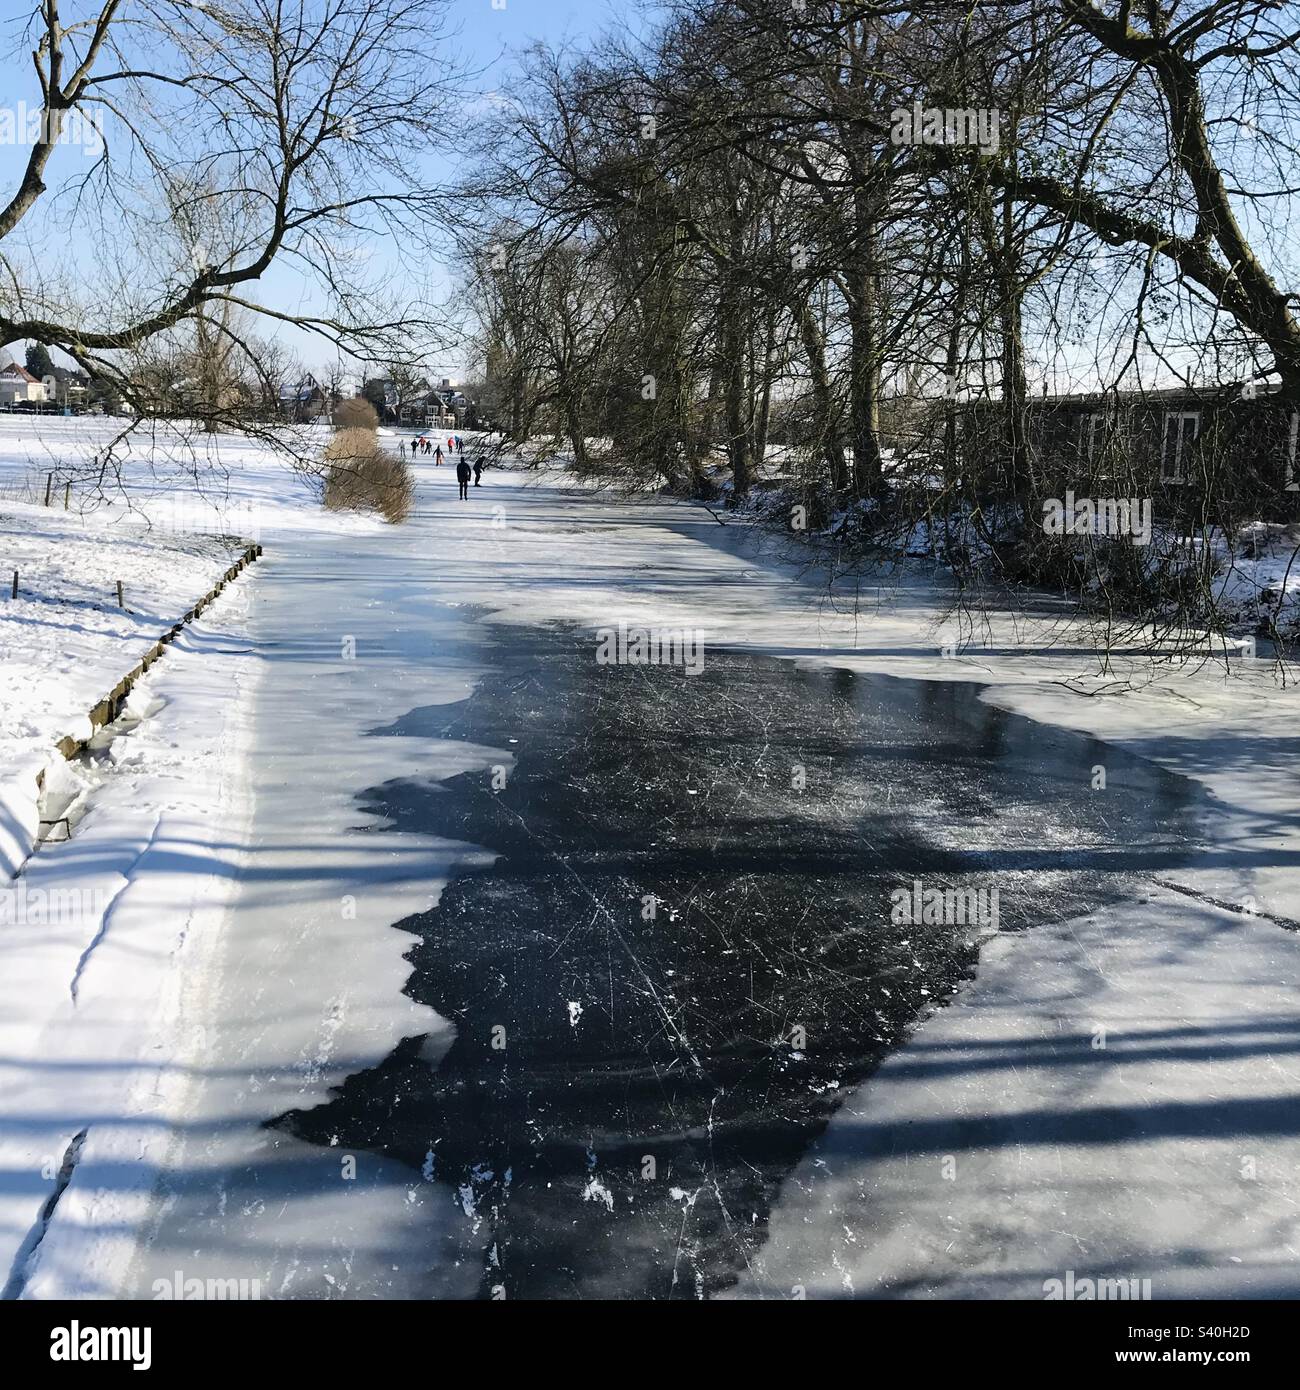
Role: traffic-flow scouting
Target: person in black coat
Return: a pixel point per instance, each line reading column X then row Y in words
column 462, row 477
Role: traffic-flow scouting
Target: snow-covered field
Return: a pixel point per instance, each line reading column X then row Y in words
column 165, row 1030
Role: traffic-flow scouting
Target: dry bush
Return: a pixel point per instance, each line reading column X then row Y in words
column 355, row 413
column 361, row 476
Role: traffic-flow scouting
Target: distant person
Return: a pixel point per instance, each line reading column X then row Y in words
column 462, row 477
column 478, row 469
column 460, row 445
column 451, row 444
column 401, row 447
column 437, row 457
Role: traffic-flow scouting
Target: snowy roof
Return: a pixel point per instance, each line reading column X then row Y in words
column 17, row 373
column 302, row 391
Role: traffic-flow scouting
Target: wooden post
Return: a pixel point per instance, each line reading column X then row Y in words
column 49, row 487
column 67, row 494
column 15, row 592
column 120, row 602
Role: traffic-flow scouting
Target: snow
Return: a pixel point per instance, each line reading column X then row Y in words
column 1262, row 577
column 203, row 1008
column 95, row 1009
column 65, row 643
column 1111, row 1097
column 307, row 984
column 91, row 1010
column 181, row 509
column 19, row 810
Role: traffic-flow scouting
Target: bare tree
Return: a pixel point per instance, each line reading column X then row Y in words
column 232, row 137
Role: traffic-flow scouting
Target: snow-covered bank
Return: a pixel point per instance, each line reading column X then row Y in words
column 65, row 642
column 108, row 938
column 102, row 928
column 166, row 520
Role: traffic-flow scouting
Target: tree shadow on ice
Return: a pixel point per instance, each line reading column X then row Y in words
column 684, row 953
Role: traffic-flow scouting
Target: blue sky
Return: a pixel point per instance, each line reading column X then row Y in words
column 486, row 32
column 485, row 39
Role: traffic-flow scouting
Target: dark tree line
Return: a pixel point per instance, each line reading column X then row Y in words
column 854, row 237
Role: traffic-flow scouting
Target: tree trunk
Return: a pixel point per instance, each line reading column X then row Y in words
column 864, row 392
column 814, row 346
column 864, row 349
column 577, row 431
column 1015, row 388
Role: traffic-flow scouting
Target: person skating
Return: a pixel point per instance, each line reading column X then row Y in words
column 437, row 457
column 462, row 477
column 478, row 469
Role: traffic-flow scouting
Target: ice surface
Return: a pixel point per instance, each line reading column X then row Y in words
column 227, row 986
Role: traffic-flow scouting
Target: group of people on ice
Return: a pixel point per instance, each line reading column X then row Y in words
column 455, row 445
column 425, row 445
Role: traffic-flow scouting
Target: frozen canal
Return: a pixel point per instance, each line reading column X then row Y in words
column 462, row 965
column 553, row 978
column 684, row 955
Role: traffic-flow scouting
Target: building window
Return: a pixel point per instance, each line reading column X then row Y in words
column 1097, row 432
column 1181, row 429
column 1092, row 435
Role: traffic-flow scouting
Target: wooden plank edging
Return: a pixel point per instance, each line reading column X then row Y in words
column 111, row 705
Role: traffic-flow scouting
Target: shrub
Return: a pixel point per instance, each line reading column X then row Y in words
column 362, row 476
column 356, row 413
